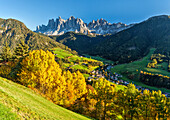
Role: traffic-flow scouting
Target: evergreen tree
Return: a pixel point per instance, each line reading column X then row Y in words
column 146, row 104
column 21, row 50
column 127, row 100
column 6, row 53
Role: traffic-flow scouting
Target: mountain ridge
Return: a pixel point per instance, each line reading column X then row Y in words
column 13, row 32
column 134, row 43
column 61, row 26
column 127, row 45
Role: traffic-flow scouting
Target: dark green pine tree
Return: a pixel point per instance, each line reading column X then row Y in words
column 6, row 52
column 21, row 50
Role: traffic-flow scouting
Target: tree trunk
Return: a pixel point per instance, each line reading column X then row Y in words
column 146, row 112
column 104, row 112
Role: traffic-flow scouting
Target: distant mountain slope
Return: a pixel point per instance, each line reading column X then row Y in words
column 127, row 45
column 133, row 43
column 79, row 42
column 20, row 102
column 13, row 31
column 61, row 26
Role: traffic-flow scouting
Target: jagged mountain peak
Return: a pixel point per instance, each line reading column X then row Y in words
column 71, row 17
column 61, row 26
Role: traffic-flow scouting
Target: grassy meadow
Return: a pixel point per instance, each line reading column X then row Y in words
column 19, row 102
column 75, row 62
column 136, row 66
column 99, row 59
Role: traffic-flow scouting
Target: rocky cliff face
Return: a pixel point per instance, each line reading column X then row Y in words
column 103, row 27
column 61, row 26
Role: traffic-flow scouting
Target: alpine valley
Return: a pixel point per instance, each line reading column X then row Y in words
column 72, row 70
column 125, row 46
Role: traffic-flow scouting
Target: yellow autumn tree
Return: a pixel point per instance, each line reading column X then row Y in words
column 41, row 71
column 79, row 84
column 104, row 95
column 69, row 91
column 75, row 87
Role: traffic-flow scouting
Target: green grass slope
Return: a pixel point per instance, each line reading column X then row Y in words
column 99, row 59
column 19, row 102
column 76, row 62
column 133, row 68
column 6, row 113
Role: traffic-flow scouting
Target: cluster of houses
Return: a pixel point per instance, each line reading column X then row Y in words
column 96, row 74
column 115, row 78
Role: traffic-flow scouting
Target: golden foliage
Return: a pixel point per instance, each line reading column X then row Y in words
column 41, row 71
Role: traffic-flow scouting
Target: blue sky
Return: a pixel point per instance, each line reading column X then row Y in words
column 37, row 12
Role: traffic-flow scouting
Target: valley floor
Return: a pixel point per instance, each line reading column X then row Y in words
column 135, row 67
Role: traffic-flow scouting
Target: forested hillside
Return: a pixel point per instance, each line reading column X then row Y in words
column 101, row 99
column 126, row 46
column 13, row 32
column 79, row 42
column 135, row 42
